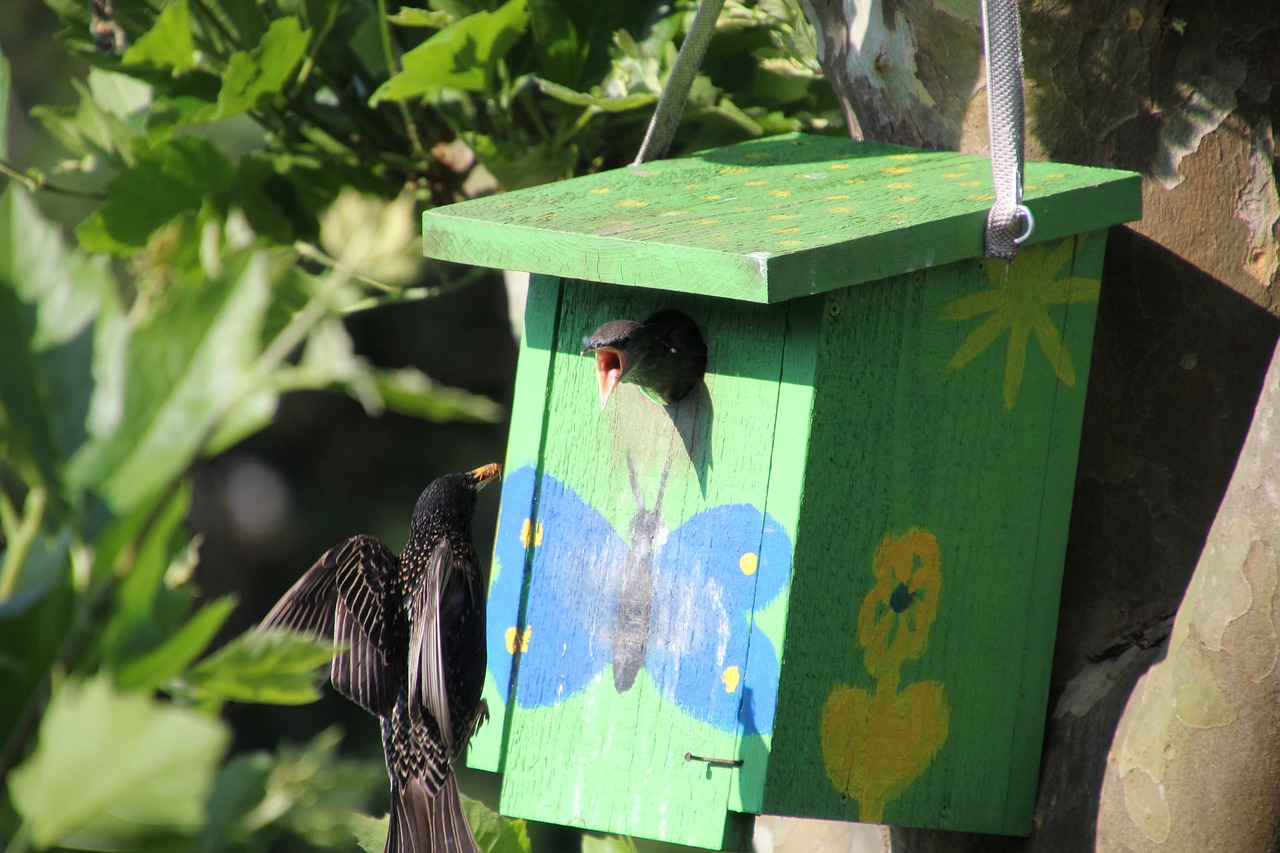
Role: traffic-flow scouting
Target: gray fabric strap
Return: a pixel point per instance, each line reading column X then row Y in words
column 1009, row 223
column 666, row 118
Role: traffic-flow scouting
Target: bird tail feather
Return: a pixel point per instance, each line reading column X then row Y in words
column 422, row 823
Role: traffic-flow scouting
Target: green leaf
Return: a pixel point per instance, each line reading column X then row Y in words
column 409, row 391
column 461, row 56
column 4, row 106
column 316, row 794
column 168, row 43
column 261, row 73
column 111, row 769
column 371, row 833
column 66, row 286
column 89, row 130
column 179, row 375
column 493, row 832
column 421, row 18
column 608, row 844
column 24, row 423
column 276, row 668
column 150, row 670
column 603, row 102
column 167, row 180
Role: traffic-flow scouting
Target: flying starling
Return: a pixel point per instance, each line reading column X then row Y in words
column 411, row 632
column 665, row 356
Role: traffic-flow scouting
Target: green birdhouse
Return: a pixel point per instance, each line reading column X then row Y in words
column 825, row 583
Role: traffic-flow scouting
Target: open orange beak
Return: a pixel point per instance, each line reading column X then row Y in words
column 608, row 371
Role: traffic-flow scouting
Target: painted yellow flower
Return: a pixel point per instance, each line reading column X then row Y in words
column 894, row 619
column 1041, row 276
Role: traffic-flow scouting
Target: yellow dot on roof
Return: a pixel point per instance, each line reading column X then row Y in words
column 896, row 170
column 841, row 166
column 782, row 216
column 903, row 156
column 790, row 243
column 601, row 190
column 968, row 183
column 633, row 202
column 712, row 197
column 755, row 183
column 731, row 678
column 780, row 193
column 791, row 230
column 901, row 185
column 840, row 210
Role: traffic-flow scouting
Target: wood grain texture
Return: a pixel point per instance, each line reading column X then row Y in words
column 609, row 757
column 906, row 443
column 768, row 220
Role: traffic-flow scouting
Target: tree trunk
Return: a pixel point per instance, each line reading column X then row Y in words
column 1187, row 94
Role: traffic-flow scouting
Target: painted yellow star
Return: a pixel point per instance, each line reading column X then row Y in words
column 1041, row 276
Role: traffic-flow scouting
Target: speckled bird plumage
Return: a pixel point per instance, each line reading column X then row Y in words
column 665, row 356
column 412, row 632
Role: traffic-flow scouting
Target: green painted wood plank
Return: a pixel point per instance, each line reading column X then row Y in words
column 928, row 430
column 606, row 757
column 768, row 220
column 524, row 445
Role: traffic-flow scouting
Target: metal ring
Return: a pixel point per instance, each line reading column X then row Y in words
column 1031, row 224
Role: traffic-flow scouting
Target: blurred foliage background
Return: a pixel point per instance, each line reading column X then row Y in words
column 220, row 354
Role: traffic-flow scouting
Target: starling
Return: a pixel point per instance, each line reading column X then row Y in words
column 411, row 632
column 665, row 356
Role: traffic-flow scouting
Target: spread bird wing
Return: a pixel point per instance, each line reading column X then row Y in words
column 343, row 597
column 426, row 643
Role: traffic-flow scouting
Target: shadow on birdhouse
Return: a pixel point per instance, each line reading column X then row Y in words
column 841, row 602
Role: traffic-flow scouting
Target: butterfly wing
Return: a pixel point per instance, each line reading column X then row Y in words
column 714, row 572
column 574, row 558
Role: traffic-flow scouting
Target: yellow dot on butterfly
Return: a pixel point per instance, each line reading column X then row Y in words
column 756, row 155
column 1033, row 187
column 901, row 185
column 783, row 230
column 780, row 193
column 749, row 562
column 707, row 221
column 840, row 166
column 546, row 217
column 969, row 183
column 731, row 170
column 601, row 190
column 903, row 156
column 632, row 202
column 840, row 210
column 836, row 197
column 782, row 216
column 851, row 181
column 712, row 197
column 530, row 534
column 1056, row 175
column 730, row 677
column 790, row 243
column 896, row 170
column 691, row 186
column 981, row 197
column 755, row 183
column 906, row 198
column 674, row 212
column 512, row 635
column 954, row 175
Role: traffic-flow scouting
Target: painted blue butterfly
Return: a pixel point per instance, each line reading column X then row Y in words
column 678, row 603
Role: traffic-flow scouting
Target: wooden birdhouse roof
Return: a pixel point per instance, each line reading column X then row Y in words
column 769, row 220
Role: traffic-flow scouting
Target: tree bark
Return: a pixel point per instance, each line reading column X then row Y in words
column 1187, row 94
